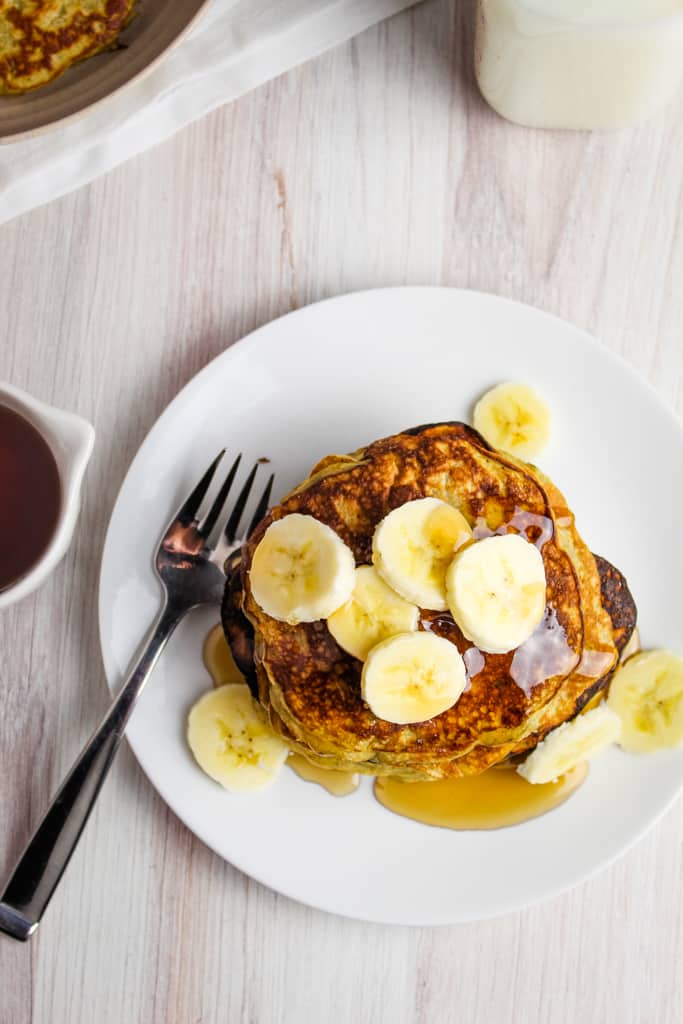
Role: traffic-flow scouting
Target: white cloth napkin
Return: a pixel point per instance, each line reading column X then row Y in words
column 237, row 45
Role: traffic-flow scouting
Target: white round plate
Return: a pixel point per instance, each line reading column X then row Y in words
column 331, row 378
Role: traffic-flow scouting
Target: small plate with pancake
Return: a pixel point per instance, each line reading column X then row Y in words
column 332, row 378
column 155, row 27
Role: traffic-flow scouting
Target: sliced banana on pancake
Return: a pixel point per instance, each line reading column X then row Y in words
column 231, row 740
column 302, row 570
column 565, row 747
column 412, row 677
column 373, row 613
column 514, row 418
column 647, row 695
column 496, row 592
column 414, row 545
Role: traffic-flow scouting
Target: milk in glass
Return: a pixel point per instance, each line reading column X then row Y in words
column 579, row 63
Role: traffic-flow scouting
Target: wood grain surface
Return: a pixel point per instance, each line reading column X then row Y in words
column 377, row 164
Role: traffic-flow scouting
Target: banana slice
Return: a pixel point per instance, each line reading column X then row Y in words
column 515, row 419
column 373, row 613
column 231, row 740
column 412, row 677
column 496, row 592
column 413, row 547
column 647, row 695
column 571, row 743
column 301, row 570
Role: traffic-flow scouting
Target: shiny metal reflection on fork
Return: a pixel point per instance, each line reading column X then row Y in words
column 189, row 563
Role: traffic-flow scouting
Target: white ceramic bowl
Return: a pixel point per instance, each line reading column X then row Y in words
column 71, row 441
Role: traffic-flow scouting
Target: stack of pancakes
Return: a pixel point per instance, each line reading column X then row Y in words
column 39, row 39
column 310, row 688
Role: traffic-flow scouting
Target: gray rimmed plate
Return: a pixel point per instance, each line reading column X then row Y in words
column 157, row 26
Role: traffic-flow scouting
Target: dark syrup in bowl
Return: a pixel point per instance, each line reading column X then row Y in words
column 30, row 496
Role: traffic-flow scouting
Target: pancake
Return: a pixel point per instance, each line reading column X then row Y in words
column 40, row 39
column 310, row 688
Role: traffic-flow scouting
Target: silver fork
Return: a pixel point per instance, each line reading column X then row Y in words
column 186, row 564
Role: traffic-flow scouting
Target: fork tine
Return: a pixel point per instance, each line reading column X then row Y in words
column 262, row 506
column 219, row 501
column 190, row 507
column 234, row 520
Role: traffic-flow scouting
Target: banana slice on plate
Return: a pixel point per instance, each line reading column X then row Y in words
column 515, row 419
column 412, row 677
column 565, row 747
column 302, row 570
column 373, row 613
column 232, row 742
column 496, row 591
column 413, row 547
column 647, row 695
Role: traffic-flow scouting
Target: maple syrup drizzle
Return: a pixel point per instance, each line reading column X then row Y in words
column 543, row 655
column 537, row 529
column 336, row 783
column 218, row 659
column 30, row 496
column 594, row 664
column 474, row 663
column 495, row 799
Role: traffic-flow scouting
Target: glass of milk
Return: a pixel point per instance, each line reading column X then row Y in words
column 579, row 63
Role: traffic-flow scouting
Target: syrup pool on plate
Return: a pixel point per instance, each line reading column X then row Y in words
column 218, row 659
column 497, row 798
column 30, row 496
column 336, row 783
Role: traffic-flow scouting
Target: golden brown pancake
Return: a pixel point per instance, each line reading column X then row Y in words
column 40, row 39
column 311, row 688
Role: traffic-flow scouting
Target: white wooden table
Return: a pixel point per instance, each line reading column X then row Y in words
column 377, row 164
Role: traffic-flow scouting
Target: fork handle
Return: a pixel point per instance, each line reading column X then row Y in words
column 49, row 850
